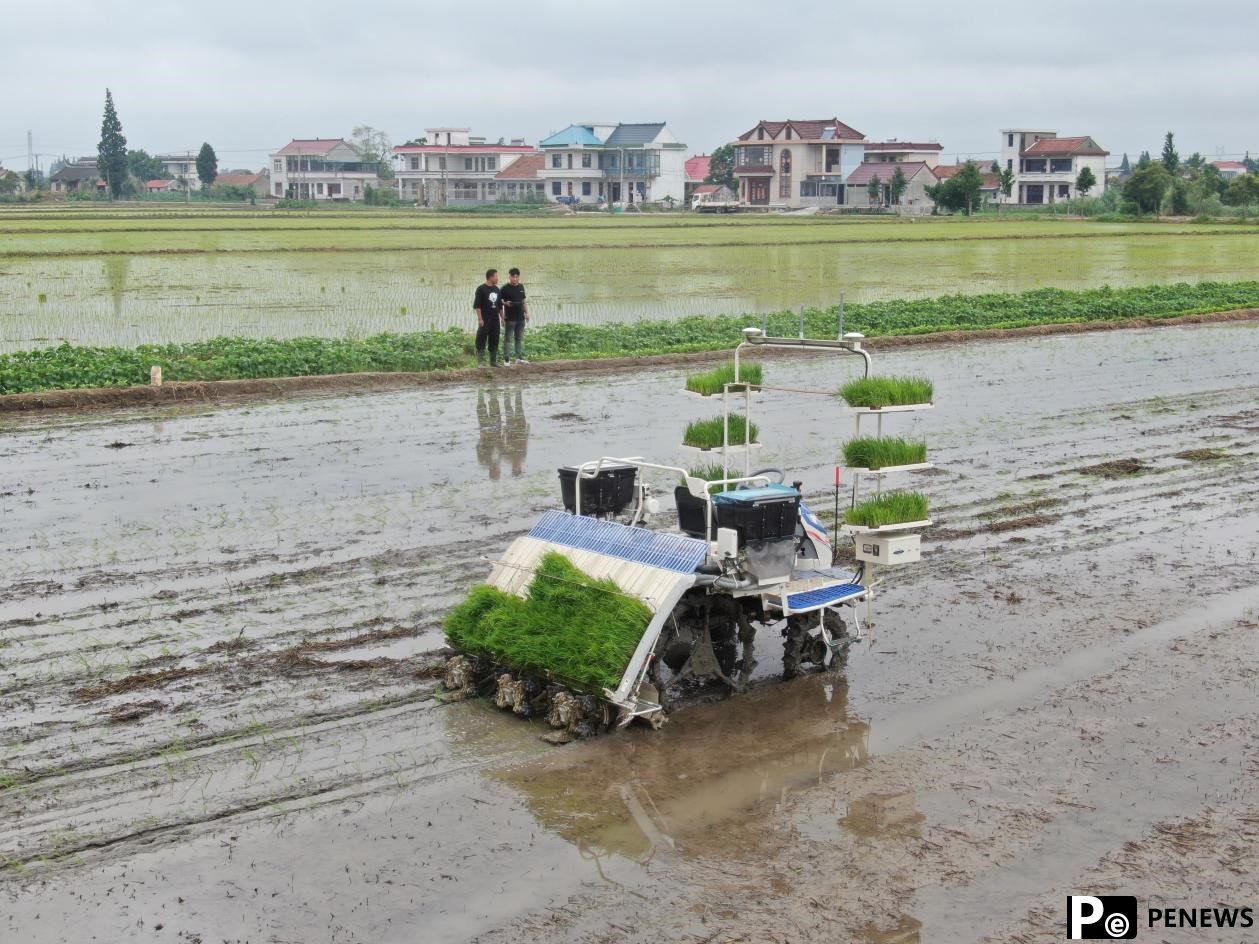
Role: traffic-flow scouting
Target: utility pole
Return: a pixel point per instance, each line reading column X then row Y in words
column 30, row 157
column 187, row 190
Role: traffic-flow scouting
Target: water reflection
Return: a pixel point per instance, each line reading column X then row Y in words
column 503, row 430
column 703, row 784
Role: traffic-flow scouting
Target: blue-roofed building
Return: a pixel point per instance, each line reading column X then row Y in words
column 603, row 162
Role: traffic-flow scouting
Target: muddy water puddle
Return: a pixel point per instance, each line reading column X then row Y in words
column 216, row 659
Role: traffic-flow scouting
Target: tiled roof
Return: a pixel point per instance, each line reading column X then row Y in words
column 903, row 146
column 813, row 129
column 697, row 167
column 945, row 171
column 238, row 180
column 633, row 135
column 525, row 167
column 158, row 184
column 885, row 169
column 77, row 171
column 1229, row 165
column 571, row 136
column 1065, row 147
column 300, row 146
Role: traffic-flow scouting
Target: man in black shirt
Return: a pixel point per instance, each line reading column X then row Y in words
column 515, row 314
column 488, row 304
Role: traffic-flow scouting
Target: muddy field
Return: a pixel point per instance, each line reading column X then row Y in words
column 217, row 627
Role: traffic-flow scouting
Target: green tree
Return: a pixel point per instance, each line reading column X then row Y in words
column 897, row 185
column 1194, row 163
column 1124, row 167
column 961, row 192
column 1171, row 160
column 1180, row 198
column 375, row 147
column 1144, row 160
column 874, row 190
column 111, row 152
column 721, row 168
column 145, row 167
column 1252, row 165
column 417, row 142
column 9, row 182
column 1006, row 180
column 1147, row 186
column 1085, row 181
column 1243, row 190
column 207, row 165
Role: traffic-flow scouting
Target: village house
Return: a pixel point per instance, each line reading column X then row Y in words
column 1229, row 169
column 1046, row 166
column 321, row 169
column 697, row 170
column 796, row 164
column 918, row 177
column 521, row 180
column 80, row 175
column 259, row 183
column 163, row 186
column 453, row 167
column 989, row 190
column 614, row 163
column 182, row 167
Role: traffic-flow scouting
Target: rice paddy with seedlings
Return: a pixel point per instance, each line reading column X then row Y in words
column 896, row 507
column 711, row 433
column 714, row 381
column 875, row 393
column 877, row 452
column 203, row 697
column 125, row 279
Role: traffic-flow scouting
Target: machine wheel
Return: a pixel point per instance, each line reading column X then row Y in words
column 800, row 647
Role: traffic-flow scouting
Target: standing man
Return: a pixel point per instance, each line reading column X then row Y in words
column 488, row 304
column 514, row 316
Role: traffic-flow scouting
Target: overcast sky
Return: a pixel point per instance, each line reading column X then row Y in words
column 248, row 76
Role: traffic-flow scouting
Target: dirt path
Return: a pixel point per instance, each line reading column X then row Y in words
column 218, row 625
column 110, row 398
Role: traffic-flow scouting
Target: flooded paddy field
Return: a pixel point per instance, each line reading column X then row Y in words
column 219, row 628
column 126, row 280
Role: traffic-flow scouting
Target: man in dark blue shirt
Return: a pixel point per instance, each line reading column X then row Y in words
column 488, row 305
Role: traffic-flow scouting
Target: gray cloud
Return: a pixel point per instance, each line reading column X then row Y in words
column 248, row 76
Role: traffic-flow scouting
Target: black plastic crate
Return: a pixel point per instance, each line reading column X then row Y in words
column 607, row 493
column 761, row 514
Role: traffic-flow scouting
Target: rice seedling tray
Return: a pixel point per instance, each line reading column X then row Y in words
column 899, row 526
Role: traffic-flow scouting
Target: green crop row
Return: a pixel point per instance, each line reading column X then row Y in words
column 226, row 358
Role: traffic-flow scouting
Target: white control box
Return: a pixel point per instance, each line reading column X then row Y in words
column 889, row 549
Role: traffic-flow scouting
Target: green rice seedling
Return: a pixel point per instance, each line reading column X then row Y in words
column 878, row 392
column 714, row 472
column 708, row 434
column 571, row 627
column 715, row 380
column 877, row 452
column 888, row 508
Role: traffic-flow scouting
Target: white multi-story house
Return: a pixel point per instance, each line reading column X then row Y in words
column 1229, row 169
column 797, row 163
column 453, row 167
column 321, row 169
column 1046, row 166
column 614, row 163
column 182, row 167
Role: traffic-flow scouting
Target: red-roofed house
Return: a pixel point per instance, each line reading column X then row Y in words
column 259, row 183
column 163, row 186
column 521, row 181
column 453, row 166
column 321, row 169
column 1046, row 166
column 696, row 170
column 1229, row 169
column 796, row 163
